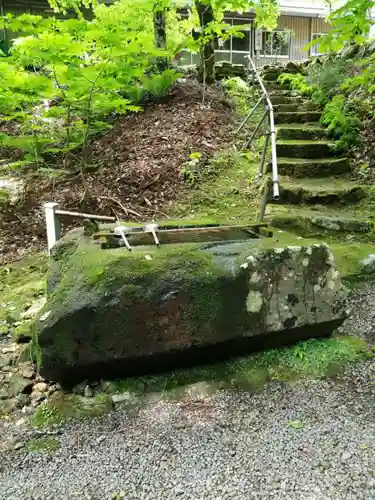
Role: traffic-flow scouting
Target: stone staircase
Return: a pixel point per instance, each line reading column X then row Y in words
column 314, row 175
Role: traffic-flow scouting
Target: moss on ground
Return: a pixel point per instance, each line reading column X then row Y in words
column 229, row 197
column 65, row 406
column 43, row 444
column 20, row 284
column 316, row 358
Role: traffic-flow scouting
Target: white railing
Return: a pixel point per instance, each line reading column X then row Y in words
column 264, row 98
column 53, row 221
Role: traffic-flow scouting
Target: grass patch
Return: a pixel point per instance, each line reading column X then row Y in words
column 21, row 284
column 316, row 358
column 62, row 407
column 230, row 196
column 43, row 444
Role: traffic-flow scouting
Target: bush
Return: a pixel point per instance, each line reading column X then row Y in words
column 340, row 120
column 159, row 85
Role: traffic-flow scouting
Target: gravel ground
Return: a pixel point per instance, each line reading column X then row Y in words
column 312, row 439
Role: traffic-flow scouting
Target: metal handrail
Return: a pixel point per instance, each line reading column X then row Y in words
column 272, row 134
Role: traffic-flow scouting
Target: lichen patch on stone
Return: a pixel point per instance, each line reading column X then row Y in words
column 254, row 302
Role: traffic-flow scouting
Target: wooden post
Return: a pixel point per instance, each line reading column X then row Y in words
column 52, row 224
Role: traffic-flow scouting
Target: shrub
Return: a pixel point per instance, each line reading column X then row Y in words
column 159, row 85
column 340, row 120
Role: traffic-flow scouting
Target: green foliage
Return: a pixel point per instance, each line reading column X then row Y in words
column 46, row 415
column 350, row 23
column 62, row 406
column 63, row 78
column 326, row 78
column 159, row 85
column 243, row 96
column 340, row 120
column 195, row 155
column 296, row 424
column 321, row 358
column 297, row 82
column 43, row 444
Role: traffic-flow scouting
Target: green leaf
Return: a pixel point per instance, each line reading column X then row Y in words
column 194, row 156
column 296, row 424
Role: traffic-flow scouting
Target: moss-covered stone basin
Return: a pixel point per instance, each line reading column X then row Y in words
column 113, row 312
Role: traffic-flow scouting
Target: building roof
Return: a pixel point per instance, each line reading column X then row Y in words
column 307, row 8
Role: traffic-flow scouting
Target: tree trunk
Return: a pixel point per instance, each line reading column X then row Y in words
column 207, row 53
column 160, row 35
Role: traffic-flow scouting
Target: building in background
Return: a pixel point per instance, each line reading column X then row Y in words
column 300, row 22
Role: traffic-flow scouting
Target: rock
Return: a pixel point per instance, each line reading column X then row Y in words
column 34, row 308
column 88, row 392
column 7, row 405
column 336, row 224
column 36, row 397
column 4, row 330
column 11, row 189
column 345, row 456
column 40, row 387
column 79, row 388
column 18, row 385
column 4, row 362
column 292, row 67
column 22, row 333
column 368, row 264
column 8, row 350
column 124, row 396
column 225, row 69
column 113, row 312
column 22, row 400
column 26, row 370
column 18, row 445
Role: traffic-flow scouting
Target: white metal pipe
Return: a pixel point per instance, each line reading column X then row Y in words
column 275, row 175
column 52, row 224
column 250, row 114
column 86, row 216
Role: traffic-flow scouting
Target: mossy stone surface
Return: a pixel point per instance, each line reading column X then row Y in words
column 314, row 191
column 114, row 307
column 299, row 168
column 301, row 132
column 297, row 117
column 311, row 149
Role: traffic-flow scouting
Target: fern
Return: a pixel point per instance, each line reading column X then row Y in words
column 297, row 82
column 159, row 85
column 341, row 121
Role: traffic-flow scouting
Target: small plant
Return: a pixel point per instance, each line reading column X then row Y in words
column 243, row 96
column 46, row 445
column 159, row 85
column 296, row 424
column 46, row 415
column 341, row 121
column 297, row 82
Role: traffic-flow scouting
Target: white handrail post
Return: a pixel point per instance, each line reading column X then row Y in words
column 52, row 224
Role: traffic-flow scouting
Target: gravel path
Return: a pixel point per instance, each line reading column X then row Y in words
column 304, row 440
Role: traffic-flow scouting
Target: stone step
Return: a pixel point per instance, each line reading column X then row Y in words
column 297, row 117
column 271, row 85
column 322, row 218
column 283, row 93
column 276, row 87
column 294, row 148
column 310, row 167
column 301, row 131
column 293, row 107
column 286, row 99
column 319, row 191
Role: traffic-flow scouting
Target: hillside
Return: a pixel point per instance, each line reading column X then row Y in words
column 134, row 170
